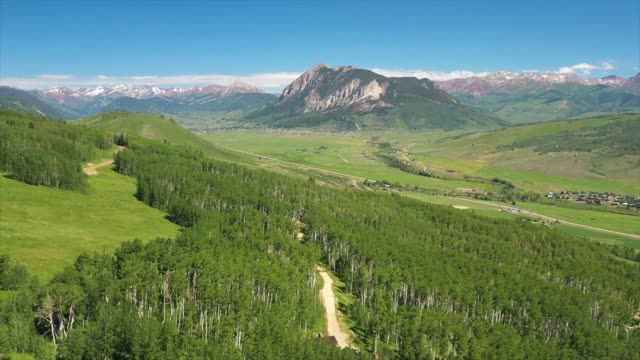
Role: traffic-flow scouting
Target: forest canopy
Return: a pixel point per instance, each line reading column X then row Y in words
column 428, row 281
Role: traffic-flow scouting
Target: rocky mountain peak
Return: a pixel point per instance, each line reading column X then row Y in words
column 239, row 87
column 323, row 89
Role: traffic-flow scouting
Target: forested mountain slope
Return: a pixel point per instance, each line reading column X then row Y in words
column 34, row 103
column 426, row 277
column 531, row 96
column 429, row 281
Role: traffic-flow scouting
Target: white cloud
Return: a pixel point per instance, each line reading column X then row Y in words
column 55, row 76
column 585, row 68
column 271, row 81
column 431, row 75
column 263, row 80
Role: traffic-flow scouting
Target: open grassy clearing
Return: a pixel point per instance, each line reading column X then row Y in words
column 159, row 128
column 46, row 229
column 617, row 222
column 349, row 154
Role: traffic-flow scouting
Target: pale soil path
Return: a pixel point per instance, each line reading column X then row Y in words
column 329, row 300
column 475, row 201
column 92, row 169
column 343, row 159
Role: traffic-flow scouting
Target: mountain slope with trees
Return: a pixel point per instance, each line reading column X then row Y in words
column 531, row 97
column 428, row 281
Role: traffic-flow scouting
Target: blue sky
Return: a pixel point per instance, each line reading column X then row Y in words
column 176, row 42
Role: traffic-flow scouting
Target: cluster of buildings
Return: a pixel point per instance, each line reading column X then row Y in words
column 597, row 198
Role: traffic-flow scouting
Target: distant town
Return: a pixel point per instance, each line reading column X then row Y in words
column 628, row 201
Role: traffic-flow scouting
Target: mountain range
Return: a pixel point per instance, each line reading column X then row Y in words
column 66, row 103
column 505, row 82
column 347, row 97
column 531, row 96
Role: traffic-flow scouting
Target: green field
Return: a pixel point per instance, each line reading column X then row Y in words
column 452, row 155
column 349, row 154
column 456, row 154
column 45, row 229
column 203, row 121
column 490, row 154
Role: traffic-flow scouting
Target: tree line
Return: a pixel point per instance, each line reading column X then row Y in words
column 39, row 151
column 428, row 281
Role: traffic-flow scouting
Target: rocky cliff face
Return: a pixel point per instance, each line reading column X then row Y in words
column 348, row 98
column 324, row 89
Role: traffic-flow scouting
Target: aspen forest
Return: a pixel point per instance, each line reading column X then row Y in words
column 427, row 281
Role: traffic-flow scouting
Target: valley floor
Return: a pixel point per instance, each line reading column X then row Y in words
column 351, row 156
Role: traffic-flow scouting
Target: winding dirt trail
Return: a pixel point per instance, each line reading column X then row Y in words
column 329, row 300
column 92, row 169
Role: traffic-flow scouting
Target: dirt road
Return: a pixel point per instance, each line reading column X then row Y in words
column 476, row 201
column 329, row 300
column 548, row 218
column 92, row 169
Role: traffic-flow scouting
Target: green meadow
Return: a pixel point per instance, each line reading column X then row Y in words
column 45, row 228
column 161, row 128
column 452, row 155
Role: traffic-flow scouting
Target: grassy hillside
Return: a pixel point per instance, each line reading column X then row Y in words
column 45, row 229
column 157, row 127
column 197, row 103
column 495, row 153
column 614, row 138
column 561, row 101
column 51, row 211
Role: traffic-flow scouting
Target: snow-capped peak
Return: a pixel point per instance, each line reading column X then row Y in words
column 64, row 94
column 95, row 91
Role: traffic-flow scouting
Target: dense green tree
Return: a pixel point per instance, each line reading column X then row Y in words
column 427, row 281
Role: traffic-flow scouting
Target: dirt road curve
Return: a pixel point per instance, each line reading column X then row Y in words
column 92, row 169
column 329, row 300
column 544, row 217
